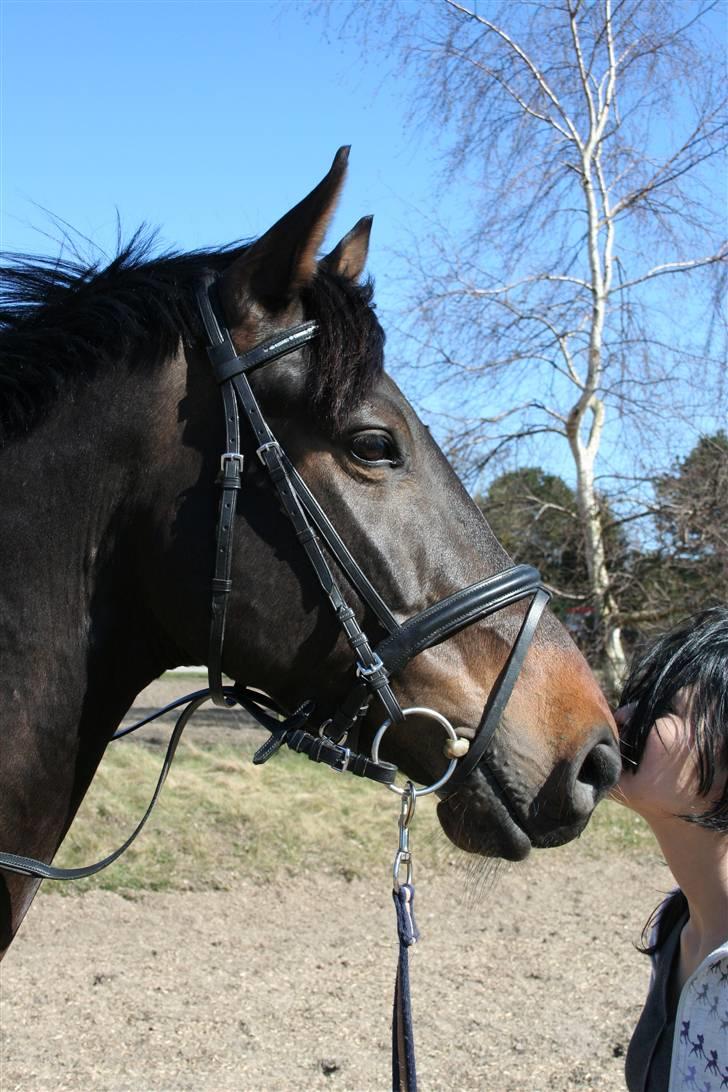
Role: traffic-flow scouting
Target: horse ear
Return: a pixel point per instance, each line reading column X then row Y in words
column 275, row 267
column 349, row 257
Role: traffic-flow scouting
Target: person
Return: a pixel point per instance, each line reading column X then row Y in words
column 673, row 726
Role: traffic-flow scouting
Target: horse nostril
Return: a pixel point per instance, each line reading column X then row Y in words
column 591, row 773
column 601, row 768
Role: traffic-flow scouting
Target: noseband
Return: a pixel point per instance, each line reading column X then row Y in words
column 374, row 665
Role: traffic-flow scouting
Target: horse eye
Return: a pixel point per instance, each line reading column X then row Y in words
column 374, row 447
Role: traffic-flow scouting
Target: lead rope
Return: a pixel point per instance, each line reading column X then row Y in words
column 404, row 1070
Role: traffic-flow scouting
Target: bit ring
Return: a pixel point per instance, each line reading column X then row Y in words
column 420, row 711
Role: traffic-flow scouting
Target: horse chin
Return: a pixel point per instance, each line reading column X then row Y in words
column 481, row 818
column 478, row 820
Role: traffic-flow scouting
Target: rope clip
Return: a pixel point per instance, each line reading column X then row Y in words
column 403, row 856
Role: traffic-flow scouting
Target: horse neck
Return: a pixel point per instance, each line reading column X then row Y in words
column 77, row 644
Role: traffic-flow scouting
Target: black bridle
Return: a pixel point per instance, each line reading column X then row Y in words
column 374, row 665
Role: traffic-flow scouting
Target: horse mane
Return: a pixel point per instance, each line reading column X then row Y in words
column 62, row 319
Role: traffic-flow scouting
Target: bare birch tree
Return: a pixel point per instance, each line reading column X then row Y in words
column 591, row 135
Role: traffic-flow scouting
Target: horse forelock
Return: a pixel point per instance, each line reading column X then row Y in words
column 349, row 353
column 62, row 319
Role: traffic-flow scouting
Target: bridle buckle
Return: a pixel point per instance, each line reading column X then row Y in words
column 231, row 457
column 269, row 446
column 342, row 760
column 364, row 672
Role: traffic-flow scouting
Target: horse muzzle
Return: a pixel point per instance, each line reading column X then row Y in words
column 498, row 811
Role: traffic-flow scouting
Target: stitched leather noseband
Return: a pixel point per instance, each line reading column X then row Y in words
column 374, row 665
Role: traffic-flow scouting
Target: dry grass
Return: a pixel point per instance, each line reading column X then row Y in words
column 220, row 817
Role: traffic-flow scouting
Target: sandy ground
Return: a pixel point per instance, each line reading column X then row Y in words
column 526, row 983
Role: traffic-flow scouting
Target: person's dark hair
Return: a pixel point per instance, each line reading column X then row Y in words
column 694, row 655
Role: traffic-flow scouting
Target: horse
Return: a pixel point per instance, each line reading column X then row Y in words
column 112, row 434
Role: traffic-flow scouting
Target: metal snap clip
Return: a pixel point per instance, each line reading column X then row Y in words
column 403, row 857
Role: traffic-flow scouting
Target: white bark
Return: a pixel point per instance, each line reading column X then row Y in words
column 600, row 248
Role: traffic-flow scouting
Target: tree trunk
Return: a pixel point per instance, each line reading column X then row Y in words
column 605, row 607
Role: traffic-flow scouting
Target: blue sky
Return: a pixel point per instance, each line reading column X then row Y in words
column 207, row 120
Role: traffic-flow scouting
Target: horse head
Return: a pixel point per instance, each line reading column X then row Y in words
column 404, row 516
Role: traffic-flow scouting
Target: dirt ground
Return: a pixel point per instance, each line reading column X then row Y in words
column 524, row 983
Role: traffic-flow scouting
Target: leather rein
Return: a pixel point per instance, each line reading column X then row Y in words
column 374, row 664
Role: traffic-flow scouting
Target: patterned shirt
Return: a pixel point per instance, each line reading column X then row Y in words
column 676, row 1050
